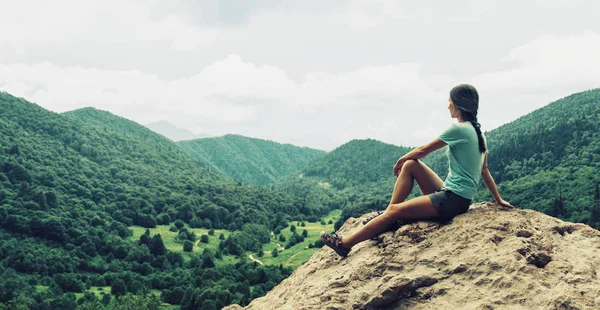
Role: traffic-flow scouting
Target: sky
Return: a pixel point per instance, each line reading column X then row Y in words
column 307, row 72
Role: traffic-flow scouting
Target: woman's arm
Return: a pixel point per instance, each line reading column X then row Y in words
column 491, row 185
column 419, row 152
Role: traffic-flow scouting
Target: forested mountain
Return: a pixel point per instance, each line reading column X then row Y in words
column 357, row 162
column 251, row 160
column 72, row 184
column 549, row 154
column 547, row 160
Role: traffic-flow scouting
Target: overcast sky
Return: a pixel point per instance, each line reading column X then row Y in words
column 307, row 72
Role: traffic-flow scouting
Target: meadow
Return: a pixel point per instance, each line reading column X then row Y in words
column 288, row 257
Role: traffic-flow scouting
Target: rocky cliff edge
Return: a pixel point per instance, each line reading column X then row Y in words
column 487, row 258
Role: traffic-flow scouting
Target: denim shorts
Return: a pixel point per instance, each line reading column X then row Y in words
column 449, row 204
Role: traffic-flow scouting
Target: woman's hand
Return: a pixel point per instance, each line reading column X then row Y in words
column 504, row 203
column 398, row 166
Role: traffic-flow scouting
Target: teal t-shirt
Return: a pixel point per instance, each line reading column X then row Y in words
column 464, row 159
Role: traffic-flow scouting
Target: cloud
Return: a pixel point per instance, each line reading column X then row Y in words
column 113, row 21
column 365, row 14
column 549, row 61
column 540, row 71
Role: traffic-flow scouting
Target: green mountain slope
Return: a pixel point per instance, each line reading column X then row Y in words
column 251, row 160
column 356, row 163
column 550, row 153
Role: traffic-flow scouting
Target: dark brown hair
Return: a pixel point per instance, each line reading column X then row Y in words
column 466, row 98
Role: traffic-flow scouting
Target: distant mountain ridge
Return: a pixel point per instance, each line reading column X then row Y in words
column 251, row 160
column 173, row 132
column 356, row 162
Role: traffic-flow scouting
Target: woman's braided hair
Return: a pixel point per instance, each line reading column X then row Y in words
column 466, row 98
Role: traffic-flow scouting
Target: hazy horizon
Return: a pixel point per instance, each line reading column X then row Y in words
column 305, row 73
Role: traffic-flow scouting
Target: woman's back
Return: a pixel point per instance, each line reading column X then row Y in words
column 465, row 161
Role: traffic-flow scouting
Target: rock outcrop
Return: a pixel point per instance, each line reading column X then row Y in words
column 487, row 258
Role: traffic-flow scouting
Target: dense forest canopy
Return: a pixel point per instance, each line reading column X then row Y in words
column 251, row 160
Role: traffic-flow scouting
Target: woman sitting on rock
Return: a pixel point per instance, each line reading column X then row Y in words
column 467, row 159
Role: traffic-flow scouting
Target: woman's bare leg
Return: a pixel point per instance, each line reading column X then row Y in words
column 416, row 170
column 414, row 209
column 418, row 208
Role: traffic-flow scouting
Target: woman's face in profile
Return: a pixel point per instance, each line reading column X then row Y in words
column 451, row 108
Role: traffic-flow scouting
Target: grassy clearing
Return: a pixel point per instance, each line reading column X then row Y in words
column 299, row 253
column 172, row 242
column 98, row 290
column 289, row 257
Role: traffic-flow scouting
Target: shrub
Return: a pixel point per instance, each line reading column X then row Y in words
column 188, row 246
column 204, row 238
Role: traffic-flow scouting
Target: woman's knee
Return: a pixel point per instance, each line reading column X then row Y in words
column 410, row 164
column 394, row 209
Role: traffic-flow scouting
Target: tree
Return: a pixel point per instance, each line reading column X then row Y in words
column 145, row 237
column 69, row 283
column 274, row 253
column 221, row 237
column 257, row 292
column 204, row 238
column 292, row 228
column 141, row 302
column 558, row 208
column 10, row 285
column 281, row 238
column 179, row 223
column 135, row 286
column 209, row 304
column 188, row 246
column 207, row 261
column 163, row 219
column 182, row 235
column 305, row 233
column 187, row 301
column 106, row 298
column 174, row 296
column 157, row 246
column 118, row 287
column 595, row 216
column 211, row 232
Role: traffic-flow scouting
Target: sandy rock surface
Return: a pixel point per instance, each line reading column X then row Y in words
column 487, row 258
